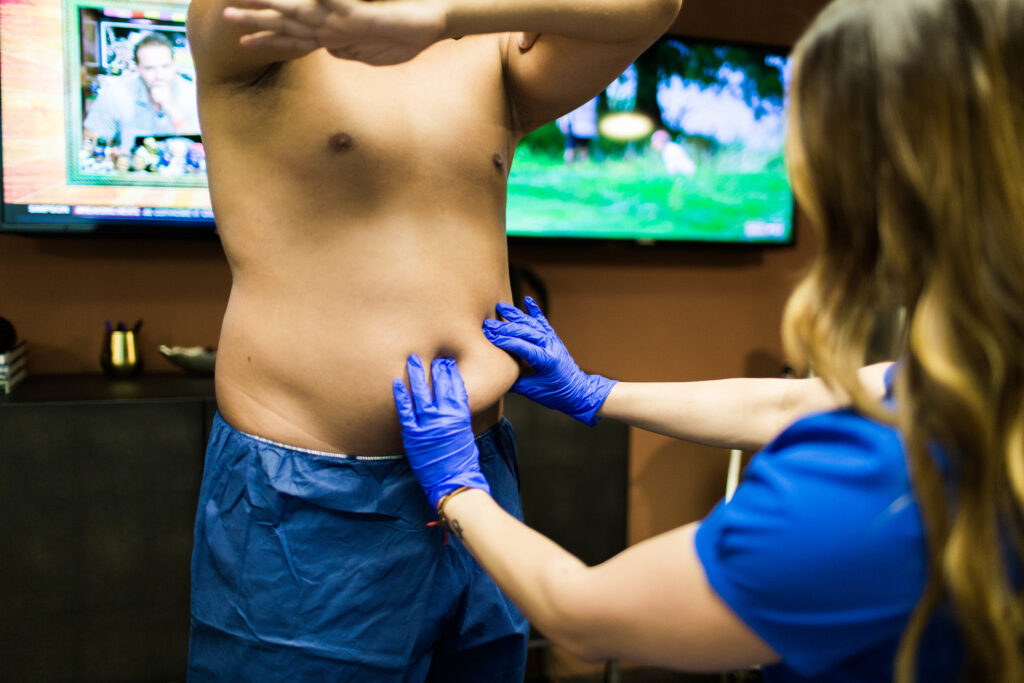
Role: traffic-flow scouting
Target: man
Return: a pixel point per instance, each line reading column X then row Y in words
column 156, row 100
column 579, row 128
column 673, row 155
column 358, row 156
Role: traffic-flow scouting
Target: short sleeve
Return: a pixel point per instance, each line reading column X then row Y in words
column 889, row 377
column 821, row 550
column 102, row 117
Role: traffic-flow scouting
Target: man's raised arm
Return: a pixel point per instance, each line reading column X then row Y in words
column 215, row 47
column 583, row 45
column 570, row 49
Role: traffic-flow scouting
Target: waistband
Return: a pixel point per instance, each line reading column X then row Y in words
column 489, row 435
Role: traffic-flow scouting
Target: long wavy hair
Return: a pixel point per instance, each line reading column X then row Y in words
column 906, row 151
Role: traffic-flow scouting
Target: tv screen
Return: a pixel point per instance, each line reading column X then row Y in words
column 84, row 145
column 686, row 145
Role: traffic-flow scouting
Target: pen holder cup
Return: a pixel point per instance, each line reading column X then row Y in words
column 120, row 355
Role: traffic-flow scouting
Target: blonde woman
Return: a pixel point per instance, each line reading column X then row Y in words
column 880, row 541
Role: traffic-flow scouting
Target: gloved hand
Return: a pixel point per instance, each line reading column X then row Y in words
column 557, row 382
column 437, row 431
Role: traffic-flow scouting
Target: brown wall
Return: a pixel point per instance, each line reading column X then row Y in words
column 679, row 313
column 59, row 291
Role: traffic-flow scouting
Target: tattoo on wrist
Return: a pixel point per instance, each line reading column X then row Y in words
column 456, row 528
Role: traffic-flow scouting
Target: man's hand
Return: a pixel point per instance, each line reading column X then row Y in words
column 162, row 97
column 377, row 33
column 557, row 382
column 437, row 432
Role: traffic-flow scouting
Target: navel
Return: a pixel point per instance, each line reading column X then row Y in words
column 499, row 162
column 340, row 142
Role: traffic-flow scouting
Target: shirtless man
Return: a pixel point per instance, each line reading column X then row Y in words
column 359, row 192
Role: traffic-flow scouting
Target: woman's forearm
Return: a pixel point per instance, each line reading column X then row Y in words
column 728, row 413
column 743, row 413
column 651, row 602
column 539, row 576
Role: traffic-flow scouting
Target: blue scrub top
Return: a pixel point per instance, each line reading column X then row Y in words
column 821, row 552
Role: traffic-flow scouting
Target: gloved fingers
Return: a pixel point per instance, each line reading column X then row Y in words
column 514, row 315
column 403, row 403
column 418, row 383
column 534, row 310
column 524, row 349
column 522, row 386
column 441, row 377
column 455, row 395
column 515, row 329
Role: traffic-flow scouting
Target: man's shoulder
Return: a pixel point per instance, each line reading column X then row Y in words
column 120, row 91
column 185, row 83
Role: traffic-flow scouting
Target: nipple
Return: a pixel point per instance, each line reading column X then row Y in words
column 340, row 142
column 499, row 162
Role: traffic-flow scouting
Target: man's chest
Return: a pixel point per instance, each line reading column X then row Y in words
column 444, row 100
column 344, row 132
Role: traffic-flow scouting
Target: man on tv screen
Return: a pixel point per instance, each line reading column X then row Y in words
column 155, row 100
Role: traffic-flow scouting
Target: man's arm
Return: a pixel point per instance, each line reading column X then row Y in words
column 214, row 42
column 177, row 101
column 582, row 46
column 101, row 121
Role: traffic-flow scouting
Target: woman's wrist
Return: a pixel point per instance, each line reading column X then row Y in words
column 443, row 500
column 453, row 506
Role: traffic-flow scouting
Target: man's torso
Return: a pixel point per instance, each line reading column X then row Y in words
column 362, row 212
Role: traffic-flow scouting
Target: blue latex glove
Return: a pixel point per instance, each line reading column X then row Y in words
column 557, row 382
column 437, row 431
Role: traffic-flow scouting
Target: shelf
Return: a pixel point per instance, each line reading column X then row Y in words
column 99, row 388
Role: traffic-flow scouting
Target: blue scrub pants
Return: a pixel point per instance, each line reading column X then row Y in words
column 318, row 567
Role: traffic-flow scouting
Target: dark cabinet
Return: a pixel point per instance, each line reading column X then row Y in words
column 97, row 497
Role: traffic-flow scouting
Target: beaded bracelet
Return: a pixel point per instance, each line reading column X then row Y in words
column 444, row 500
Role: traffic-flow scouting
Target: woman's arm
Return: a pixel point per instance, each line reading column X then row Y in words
column 744, row 413
column 730, row 413
column 651, row 603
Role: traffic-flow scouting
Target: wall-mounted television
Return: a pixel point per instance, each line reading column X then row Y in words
column 685, row 146
column 82, row 151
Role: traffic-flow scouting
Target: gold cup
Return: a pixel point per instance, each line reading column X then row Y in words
column 120, row 357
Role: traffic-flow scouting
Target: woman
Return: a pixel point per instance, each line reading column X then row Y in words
column 877, row 542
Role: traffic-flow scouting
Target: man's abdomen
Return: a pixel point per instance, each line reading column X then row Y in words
column 310, row 363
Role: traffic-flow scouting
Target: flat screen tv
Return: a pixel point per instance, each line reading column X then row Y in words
column 68, row 82
column 685, row 146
